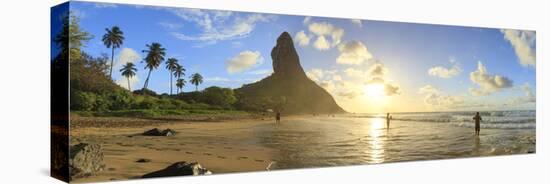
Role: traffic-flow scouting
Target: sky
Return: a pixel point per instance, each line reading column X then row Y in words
column 367, row 66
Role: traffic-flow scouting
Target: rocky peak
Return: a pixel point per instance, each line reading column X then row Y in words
column 285, row 58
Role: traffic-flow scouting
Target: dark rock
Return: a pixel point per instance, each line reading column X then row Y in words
column 179, row 169
column 168, row 132
column 143, row 160
column 288, row 89
column 285, row 58
column 152, row 132
column 85, row 159
column 157, row 132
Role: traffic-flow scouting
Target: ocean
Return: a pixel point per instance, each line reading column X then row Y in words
column 355, row 139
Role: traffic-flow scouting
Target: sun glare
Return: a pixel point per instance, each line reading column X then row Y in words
column 375, row 90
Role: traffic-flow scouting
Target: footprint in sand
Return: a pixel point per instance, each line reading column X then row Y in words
column 227, row 148
column 222, row 157
column 258, row 160
column 187, row 152
column 207, row 154
column 242, row 158
column 111, row 169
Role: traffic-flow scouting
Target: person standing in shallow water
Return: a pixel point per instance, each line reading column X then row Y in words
column 477, row 120
column 388, row 118
column 278, row 117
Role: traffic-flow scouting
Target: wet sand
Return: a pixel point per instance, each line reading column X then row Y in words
column 221, row 147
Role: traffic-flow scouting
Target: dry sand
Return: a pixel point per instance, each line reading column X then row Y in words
column 221, row 147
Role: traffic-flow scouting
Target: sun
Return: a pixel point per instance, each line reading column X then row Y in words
column 375, row 90
column 376, row 94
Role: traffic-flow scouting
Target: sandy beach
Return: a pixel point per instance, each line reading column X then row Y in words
column 222, row 147
column 227, row 146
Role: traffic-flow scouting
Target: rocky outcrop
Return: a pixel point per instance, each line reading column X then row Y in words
column 179, row 169
column 157, row 132
column 285, row 58
column 85, row 159
column 288, row 89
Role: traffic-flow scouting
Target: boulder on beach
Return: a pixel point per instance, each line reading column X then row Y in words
column 179, row 169
column 157, row 132
column 85, row 159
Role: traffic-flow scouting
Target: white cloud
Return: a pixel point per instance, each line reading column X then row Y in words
column 529, row 97
column 443, row 72
column 126, row 55
column 436, row 98
column 306, row 20
column 324, row 30
column 236, row 44
column 357, row 22
column 218, row 25
column 355, row 73
column 105, row 5
column 321, row 43
column 171, row 26
column 261, row 72
column 302, row 38
column 315, row 74
column 354, row 53
column 123, row 82
column 244, row 61
column 377, row 69
column 391, row 89
column 217, row 79
column 488, row 83
column 524, row 44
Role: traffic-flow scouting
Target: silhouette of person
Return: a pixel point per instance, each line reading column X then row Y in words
column 278, row 117
column 388, row 118
column 477, row 119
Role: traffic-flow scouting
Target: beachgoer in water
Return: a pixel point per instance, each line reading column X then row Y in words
column 477, row 119
column 388, row 118
column 278, row 117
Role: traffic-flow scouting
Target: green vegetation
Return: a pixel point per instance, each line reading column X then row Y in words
column 93, row 92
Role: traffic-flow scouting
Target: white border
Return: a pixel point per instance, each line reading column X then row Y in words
column 24, row 95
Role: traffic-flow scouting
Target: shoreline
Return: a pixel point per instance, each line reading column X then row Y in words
column 220, row 146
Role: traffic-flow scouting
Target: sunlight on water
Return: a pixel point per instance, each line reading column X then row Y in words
column 376, row 143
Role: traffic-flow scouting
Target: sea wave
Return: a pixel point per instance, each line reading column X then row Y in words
column 490, row 119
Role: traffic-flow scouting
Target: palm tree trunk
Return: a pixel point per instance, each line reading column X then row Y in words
column 129, row 89
column 170, row 82
column 146, row 81
column 112, row 61
column 196, row 87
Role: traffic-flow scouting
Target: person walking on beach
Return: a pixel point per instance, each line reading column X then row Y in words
column 388, row 118
column 477, row 119
column 278, row 117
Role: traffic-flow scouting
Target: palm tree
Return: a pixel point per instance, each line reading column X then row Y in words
column 196, row 79
column 171, row 65
column 180, row 83
column 179, row 71
column 129, row 70
column 155, row 56
column 113, row 39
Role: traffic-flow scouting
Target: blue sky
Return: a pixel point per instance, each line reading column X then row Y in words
column 368, row 66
